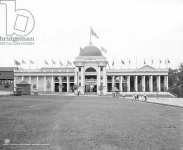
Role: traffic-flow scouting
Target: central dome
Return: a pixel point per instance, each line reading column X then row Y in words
column 90, row 50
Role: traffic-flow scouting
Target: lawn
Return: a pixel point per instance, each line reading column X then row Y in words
column 88, row 123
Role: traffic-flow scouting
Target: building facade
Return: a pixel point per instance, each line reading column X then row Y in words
column 92, row 75
column 6, row 78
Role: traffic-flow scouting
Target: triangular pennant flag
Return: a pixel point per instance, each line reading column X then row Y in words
column 93, row 33
column 17, row 63
column 23, row 62
column 104, row 50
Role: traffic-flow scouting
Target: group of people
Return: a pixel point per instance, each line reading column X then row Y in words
column 116, row 93
column 140, row 97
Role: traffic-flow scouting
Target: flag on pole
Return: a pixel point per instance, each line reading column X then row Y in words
column 93, row 33
column 53, row 62
column 46, row 62
column 60, row 62
column 103, row 50
column 17, row 63
column 23, row 62
column 122, row 62
column 31, row 62
column 152, row 61
column 69, row 63
column 144, row 62
column 113, row 63
column 108, row 65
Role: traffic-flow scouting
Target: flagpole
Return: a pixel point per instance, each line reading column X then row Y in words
column 90, row 37
column 136, row 63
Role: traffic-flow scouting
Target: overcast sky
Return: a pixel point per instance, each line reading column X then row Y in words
column 133, row 29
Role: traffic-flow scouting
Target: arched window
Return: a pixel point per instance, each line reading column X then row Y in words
column 56, row 79
column 90, row 70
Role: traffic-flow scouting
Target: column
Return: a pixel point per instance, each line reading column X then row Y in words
column 68, row 86
column 166, row 83
column 22, row 78
column 104, row 80
column 143, row 84
column 76, row 76
column 44, row 83
column 136, row 83
column 112, row 82
column 82, row 80
column 52, row 83
column 37, row 83
column 151, row 83
column 121, row 84
column 158, row 84
column 98, row 80
column 14, row 83
column 60, row 84
column 128, row 84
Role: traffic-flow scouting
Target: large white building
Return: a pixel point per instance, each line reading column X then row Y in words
column 91, row 74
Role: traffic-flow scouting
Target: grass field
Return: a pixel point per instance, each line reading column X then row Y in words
column 88, row 123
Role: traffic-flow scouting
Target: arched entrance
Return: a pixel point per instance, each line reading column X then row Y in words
column 90, row 81
column 56, row 79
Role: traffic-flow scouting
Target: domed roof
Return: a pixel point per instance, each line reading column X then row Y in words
column 90, row 50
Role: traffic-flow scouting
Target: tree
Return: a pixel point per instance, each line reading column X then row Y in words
column 176, row 81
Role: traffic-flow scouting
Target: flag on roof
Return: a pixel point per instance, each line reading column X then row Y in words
column 46, row 62
column 113, row 63
column 144, row 62
column 108, row 65
column 60, row 62
column 103, row 49
column 69, row 63
column 152, row 61
column 23, row 62
column 93, row 33
column 31, row 62
column 122, row 62
column 17, row 63
column 53, row 62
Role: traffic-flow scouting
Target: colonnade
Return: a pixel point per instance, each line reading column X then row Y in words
column 140, row 83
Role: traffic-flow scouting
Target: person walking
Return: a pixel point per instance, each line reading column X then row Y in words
column 79, row 88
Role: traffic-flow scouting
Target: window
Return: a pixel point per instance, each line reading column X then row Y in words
column 56, row 79
column 79, row 69
column 71, row 79
column 109, row 78
column 90, row 70
column 64, row 79
column 101, row 68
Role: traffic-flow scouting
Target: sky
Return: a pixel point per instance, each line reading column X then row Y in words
column 134, row 30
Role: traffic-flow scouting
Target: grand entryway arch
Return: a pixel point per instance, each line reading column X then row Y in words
column 90, row 81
